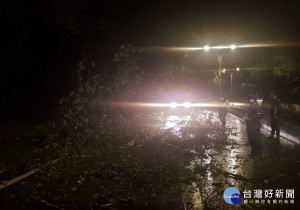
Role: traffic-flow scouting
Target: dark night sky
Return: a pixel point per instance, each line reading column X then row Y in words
column 41, row 41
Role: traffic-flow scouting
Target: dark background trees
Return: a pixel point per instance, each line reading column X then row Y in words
column 279, row 73
column 43, row 41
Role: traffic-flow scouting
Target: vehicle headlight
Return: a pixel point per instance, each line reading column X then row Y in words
column 173, row 105
column 187, row 104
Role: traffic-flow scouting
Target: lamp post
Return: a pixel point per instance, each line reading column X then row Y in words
column 231, row 75
column 219, row 52
column 220, row 58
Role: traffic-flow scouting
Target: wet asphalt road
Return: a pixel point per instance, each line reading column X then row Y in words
column 277, row 168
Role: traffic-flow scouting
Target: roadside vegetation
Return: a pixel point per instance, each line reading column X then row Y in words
column 100, row 155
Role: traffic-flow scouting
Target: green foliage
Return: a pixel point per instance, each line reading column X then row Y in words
column 177, row 71
column 174, row 75
column 128, row 57
column 84, row 118
column 280, row 66
column 286, row 65
column 142, row 166
column 129, row 77
column 262, row 79
column 78, row 122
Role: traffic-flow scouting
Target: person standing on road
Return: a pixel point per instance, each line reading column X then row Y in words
column 275, row 112
column 253, row 126
column 222, row 109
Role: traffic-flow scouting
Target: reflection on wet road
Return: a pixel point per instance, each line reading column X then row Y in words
column 176, row 123
column 231, row 165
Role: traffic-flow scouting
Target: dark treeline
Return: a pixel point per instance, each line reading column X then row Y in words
column 44, row 41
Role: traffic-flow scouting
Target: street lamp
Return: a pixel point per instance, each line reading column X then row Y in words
column 232, row 46
column 231, row 75
column 219, row 54
column 206, row 47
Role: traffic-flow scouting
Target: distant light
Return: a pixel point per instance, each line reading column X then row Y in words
column 187, row 104
column 252, row 45
column 206, row 47
column 259, row 101
column 173, row 105
column 224, row 71
column 237, row 69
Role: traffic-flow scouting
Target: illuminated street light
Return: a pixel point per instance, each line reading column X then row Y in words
column 224, row 71
column 219, row 52
column 173, row 105
column 206, row 47
column 237, row 69
column 187, row 104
